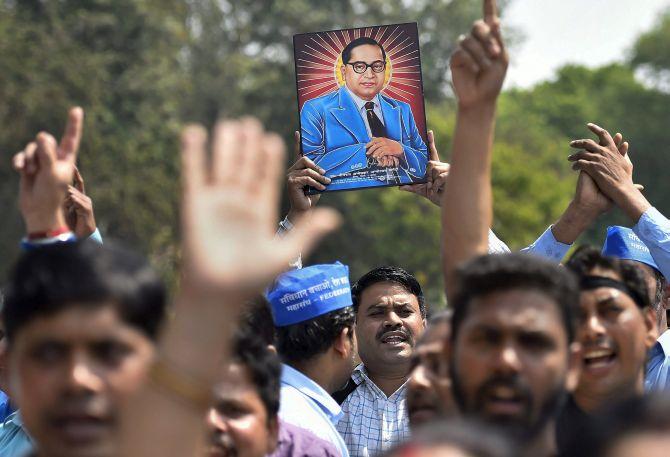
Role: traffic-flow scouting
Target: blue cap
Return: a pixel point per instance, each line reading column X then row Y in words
column 301, row 295
column 623, row 243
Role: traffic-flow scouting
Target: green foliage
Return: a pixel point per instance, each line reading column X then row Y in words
column 652, row 49
column 117, row 59
column 611, row 97
column 142, row 67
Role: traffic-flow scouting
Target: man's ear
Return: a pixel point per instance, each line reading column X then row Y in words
column 343, row 71
column 574, row 366
column 651, row 334
column 344, row 344
column 273, row 435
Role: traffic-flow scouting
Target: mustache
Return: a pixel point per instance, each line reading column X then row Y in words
column 224, row 442
column 381, row 333
column 599, row 343
column 512, row 382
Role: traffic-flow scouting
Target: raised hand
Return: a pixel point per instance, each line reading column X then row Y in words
column 608, row 164
column 304, row 172
column 436, row 176
column 79, row 208
column 229, row 211
column 46, row 169
column 479, row 64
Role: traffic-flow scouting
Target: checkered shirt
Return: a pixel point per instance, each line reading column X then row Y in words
column 372, row 422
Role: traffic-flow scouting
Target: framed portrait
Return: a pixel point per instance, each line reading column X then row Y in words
column 361, row 105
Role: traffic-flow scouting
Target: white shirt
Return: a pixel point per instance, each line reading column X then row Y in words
column 360, row 104
column 372, row 423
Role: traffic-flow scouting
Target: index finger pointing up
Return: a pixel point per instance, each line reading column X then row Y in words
column 490, row 11
column 69, row 143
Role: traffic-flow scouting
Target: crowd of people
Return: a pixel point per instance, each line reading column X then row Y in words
column 258, row 354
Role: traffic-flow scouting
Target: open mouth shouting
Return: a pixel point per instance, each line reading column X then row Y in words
column 394, row 338
column 504, row 401
column 599, row 360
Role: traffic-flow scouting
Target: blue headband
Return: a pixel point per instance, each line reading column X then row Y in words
column 301, row 295
column 623, row 243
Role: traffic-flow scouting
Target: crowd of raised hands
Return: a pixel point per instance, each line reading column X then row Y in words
column 231, row 253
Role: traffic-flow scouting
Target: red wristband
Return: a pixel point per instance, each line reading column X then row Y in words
column 48, row 233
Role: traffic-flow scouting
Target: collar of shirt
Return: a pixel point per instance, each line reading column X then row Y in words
column 360, row 103
column 306, row 386
column 360, row 375
column 14, row 419
column 664, row 342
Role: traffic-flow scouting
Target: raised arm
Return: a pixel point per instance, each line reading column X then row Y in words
column 614, row 175
column 478, row 68
column 230, row 254
column 46, row 169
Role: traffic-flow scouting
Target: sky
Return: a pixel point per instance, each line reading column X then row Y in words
column 589, row 32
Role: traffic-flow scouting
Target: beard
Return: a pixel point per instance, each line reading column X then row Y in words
column 522, row 428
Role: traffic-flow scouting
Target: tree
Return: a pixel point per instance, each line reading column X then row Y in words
column 118, row 60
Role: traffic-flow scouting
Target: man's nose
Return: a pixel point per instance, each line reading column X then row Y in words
column 508, row 360
column 83, row 375
column 592, row 328
column 216, row 421
column 392, row 320
column 418, row 379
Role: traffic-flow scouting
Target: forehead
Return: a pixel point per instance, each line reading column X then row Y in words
column 435, row 333
column 387, row 293
column 366, row 52
column 77, row 324
column 235, row 380
column 515, row 310
column 594, row 296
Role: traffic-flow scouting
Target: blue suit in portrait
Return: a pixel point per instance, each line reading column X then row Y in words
column 334, row 136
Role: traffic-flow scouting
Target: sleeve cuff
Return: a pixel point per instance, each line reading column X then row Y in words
column 650, row 224
column 548, row 246
column 96, row 236
column 496, row 245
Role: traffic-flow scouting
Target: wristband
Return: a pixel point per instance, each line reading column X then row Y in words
column 29, row 245
column 48, row 234
column 180, row 384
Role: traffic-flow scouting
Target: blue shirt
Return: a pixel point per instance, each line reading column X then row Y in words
column 658, row 365
column 546, row 246
column 14, row 440
column 654, row 230
column 5, row 407
column 306, row 404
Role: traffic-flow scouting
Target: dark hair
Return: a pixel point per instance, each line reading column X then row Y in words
column 56, row 277
column 660, row 283
column 586, row 258
column 473, row 438
column 250, row 351
column 304, row 340
column 503, row 272
column 256, row 318
column 388, row 274
column 648, row 414
column 346, row 52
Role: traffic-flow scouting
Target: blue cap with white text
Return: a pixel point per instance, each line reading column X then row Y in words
column 623, row 243
column 303, row 294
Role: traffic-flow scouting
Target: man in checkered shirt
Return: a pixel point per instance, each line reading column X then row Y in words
column 390, row 317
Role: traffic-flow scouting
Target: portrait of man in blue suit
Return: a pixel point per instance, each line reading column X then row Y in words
column 363, row 138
